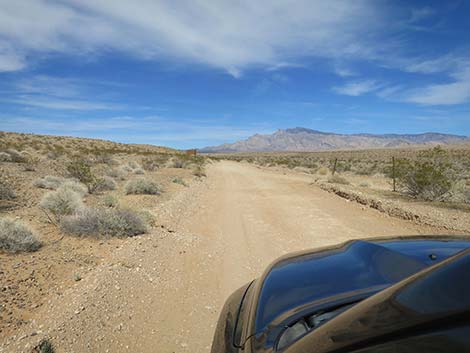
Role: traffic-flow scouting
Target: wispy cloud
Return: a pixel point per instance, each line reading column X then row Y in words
column 54, row 93
column 63, row 104
column 357, row 88
column 218, row 33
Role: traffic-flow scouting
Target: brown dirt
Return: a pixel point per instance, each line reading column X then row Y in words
column 162, row 292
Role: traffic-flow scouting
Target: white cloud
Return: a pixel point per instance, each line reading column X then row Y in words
column 357, row 88
column 455, row 92
column 223, row 34
column 63, row 104
column 442, row 94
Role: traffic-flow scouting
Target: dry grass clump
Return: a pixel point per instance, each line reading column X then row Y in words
column 49, row 182
column 16, row 237
column 16, row 156
column 63, row 201
column 337, row 179
column 100, row 223
column 199, row 171
column 142, row 186
column 75, row 186
column 6, row 190
column 175, row 163
column 322, row 171
column 110, row 200
column 178, row 180
column 5, row 157
column 118, row 174
column 105, row 184
column 139, row 171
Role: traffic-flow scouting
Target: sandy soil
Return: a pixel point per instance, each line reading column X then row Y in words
column 162, row 292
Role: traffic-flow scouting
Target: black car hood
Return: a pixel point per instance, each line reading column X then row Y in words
column 355, row 269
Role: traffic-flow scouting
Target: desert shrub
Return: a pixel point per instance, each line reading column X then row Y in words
column 5, row 157
column 31, row 163
column 142, row 186
column 75, row 186
column 175, row 163
column 460, row 192
column 149, row 164
column 199, row 171
column 428, row 179
column 364, row 184
column 63, row 201
column 48, row 182
column 139, row 171
column 178, row 180
column 322, row 171
column 105, row 184
column 81, row 170
column 133, row 165
column 6, row 189
column 125, row 168
column 104, row 222
column 337, row 179
column 117, row 174
column 16, row 237
column 110, row 200
column 106, row 159
column 16, row 156
column 45, row 346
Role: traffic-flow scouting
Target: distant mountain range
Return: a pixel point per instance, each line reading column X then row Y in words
column 303, row 139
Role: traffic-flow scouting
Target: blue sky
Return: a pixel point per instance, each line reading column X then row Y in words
column 197, row 73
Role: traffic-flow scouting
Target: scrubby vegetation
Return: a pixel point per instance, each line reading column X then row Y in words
column 45, row 346
column 63, row 201
column 142, row 186
column 104, row 222
column 6, row 189
column 179, row 181
column 430, row 174
column 49, row 182
column 17, row 237
column 337, row 179
column 110, row 200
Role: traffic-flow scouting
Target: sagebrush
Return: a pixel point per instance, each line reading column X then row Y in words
column 17, row 237
column 104, row 222
column 142, row 186
column 63, row 201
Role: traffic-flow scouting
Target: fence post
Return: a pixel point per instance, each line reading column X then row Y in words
column 393, row 174
column 334, row 166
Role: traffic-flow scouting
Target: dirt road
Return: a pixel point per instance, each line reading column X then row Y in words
column 162, row 292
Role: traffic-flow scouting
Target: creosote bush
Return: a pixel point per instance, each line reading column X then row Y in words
column 63, row 201
column 428, row 178
column 16, row 237
column 100, row 223
column 81, row 170
column 142, row 186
